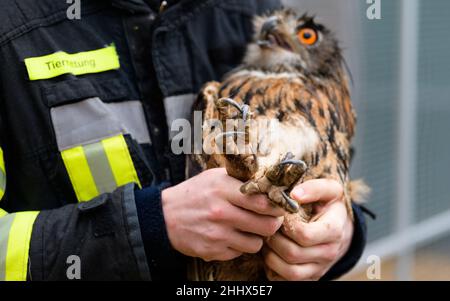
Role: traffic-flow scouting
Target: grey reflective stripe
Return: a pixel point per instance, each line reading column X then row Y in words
column 100, row 168
column 178, row 107
column 2, row 180
column 5, row 226
column 131, row 115
column 92, row 120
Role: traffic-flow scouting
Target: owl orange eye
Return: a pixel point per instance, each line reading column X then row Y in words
column 307, row 36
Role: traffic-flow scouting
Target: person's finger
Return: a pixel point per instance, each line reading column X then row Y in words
column 226, row 255
column 250, row 222
column 328, row 228
column 293, row 253
column 324, row 190
column 261, row 204
column 288, row 271
column 245, row 242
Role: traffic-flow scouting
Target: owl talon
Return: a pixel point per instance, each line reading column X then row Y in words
column 291, row 205
column 299, row 163
column 244, row 109
column 223, row 102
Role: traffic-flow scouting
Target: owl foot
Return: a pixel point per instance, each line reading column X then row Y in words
column 277, row 182
column 287, row 171
column 283, row 175
column 241, row 161
column 235, row 128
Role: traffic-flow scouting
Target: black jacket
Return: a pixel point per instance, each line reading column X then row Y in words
column 49, row 123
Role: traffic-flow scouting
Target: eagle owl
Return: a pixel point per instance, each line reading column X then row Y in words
column 282, row 117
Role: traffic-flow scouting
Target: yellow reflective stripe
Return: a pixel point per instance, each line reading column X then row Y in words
column 120, row 161
column 2, row 175
column 2, row 213
column 2, row 161
column 99, row 167
column 19, row 245
column 59, row 63
column 80, row 175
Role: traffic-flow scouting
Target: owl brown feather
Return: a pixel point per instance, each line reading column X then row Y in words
column 302, row 89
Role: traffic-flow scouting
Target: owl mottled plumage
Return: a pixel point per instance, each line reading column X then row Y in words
column 293, row 73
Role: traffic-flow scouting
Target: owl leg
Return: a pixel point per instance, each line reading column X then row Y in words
column 234, row 141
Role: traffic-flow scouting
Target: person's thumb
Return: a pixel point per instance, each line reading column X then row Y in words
column 324, row 190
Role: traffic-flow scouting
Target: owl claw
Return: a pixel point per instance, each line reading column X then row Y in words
column 291, row 205
column 222, row 102
column 298, row 163
column 244, row 109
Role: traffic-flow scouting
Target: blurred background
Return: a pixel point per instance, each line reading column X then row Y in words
column 401, row 92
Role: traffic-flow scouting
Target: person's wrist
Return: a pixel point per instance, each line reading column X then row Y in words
column 166, row 194
column 164, row 261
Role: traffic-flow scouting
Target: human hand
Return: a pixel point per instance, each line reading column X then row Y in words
column 208, row 217
column 309, row 250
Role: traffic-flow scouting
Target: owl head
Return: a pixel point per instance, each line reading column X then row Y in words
column 285, row 41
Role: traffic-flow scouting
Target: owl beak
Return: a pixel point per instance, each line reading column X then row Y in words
column 269, row 26
column 266, row 38
column 270, row 37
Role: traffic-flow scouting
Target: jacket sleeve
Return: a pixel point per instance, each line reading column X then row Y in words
column 101, row 236
column 165, row 263
column 15, row 233
column 95, row 240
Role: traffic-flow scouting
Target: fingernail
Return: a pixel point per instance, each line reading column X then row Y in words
column 297, row 193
